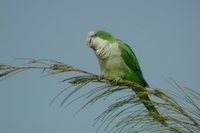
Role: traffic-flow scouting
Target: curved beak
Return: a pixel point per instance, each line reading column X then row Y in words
column 89, row 39
column 89, row 42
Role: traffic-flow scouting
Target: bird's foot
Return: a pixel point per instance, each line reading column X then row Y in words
column 100, row 77
column 117, row 80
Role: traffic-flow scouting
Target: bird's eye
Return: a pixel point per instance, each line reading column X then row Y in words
column 94, row 35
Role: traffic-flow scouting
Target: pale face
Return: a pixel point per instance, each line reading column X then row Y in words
column 102, row 48
column 95, row 42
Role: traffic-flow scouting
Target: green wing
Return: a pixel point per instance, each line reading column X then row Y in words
column 131, row 61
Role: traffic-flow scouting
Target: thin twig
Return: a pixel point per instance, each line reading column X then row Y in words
column 9, row 67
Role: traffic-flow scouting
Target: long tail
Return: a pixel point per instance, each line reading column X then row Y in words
column 148, row 103
column 150, row 107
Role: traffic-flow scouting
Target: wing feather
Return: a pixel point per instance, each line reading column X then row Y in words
column 131, row 61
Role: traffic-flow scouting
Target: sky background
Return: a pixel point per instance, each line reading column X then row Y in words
column 164, row 34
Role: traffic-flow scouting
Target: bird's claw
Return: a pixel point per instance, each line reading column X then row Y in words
column 117, row 80
column 100, row 77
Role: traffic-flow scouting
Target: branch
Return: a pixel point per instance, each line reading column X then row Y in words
column 58, row 68
column 169, row 103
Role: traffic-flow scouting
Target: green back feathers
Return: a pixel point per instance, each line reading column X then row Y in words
column 131, row 61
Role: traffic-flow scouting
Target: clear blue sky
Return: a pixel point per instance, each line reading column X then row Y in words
column 164, row 34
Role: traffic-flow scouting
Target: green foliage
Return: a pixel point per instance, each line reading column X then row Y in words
column 180, row 109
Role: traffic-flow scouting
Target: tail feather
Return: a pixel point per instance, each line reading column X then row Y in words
column 150, row 107
column 148, row 104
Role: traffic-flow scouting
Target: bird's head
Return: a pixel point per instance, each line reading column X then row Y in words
column 98, row 39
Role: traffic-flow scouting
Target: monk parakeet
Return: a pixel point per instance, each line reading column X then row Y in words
column 117, row 60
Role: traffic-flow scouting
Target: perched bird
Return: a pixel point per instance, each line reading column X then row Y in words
column 118, row 61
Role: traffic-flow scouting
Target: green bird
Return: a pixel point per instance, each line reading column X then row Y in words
column 118, row 61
